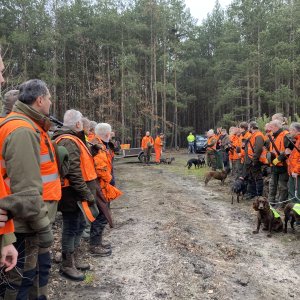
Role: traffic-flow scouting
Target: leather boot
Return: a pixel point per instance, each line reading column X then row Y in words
column 105, row 245
column 98, row 250
column 68, row 268
column 79, row 263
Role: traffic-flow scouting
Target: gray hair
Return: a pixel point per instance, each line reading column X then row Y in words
column 296, row 126
column 30, row 90
column 71, row 117
column 277, row 123
column 85, row 122
column 102, row 129
column 93, row 125
column 210, row 132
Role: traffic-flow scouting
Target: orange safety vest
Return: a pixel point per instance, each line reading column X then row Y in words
column 146, row 140
column 9, row 225
column 48, row 162
column 209, row 141
column 86, row 159
column 158, row 142
column 235, row 142
column 279, row 142
column 294, row 158
column 103, row 166
column 251, row 144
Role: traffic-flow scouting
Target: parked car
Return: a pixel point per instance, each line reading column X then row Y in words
column 200, row 143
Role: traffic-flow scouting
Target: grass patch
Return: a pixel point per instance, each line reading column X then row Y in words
column 178, row 167
column 89, row 278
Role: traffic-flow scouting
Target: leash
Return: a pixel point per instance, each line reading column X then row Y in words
column 285, row 201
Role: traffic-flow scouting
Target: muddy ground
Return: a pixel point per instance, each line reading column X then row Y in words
column 176, row 239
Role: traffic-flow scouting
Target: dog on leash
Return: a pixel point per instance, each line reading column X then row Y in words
column 292, row 213
column 239, row 188
column 216, row 175
column 266, row 215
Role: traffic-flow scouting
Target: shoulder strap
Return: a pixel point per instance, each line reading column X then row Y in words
column 75, row 139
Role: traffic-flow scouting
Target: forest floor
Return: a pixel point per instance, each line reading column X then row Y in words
column 176, row 239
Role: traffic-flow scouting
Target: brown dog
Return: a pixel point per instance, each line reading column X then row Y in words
column 291, row 212
column 216, row 175
column 266, row 215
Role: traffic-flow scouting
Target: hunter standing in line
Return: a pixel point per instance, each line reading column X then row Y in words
column 158, row 145
column 147, row 144
column 32, row 170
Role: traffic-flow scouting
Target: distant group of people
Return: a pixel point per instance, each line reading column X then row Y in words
column 148, row 143
column 72, row 173
column 251, row 154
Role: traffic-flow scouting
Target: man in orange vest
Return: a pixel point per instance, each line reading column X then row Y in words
column 34, row 169
column 79, row 187
column 278, row 186
column 9, row 254
column 158, row 145
column 147, row 144
column 211, row 149
column 294, row 163
column 235, row 144
column 252, row 165
column 104, row 168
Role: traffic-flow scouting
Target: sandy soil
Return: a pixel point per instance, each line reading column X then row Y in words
column 176, row 239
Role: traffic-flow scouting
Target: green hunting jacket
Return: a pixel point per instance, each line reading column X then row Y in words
column 79, row 189
column 21, row 153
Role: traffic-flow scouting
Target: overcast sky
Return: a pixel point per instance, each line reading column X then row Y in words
column 200, row 8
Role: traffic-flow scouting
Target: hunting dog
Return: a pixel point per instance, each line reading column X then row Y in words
column 239, row 187
column 167, row 160
column 196, row 161
column 290, row 213
column 266, row 215
column 216, row 175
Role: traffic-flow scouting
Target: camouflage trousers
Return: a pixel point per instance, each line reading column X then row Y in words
column 29, row 279
column 278, row 188
column 211, row 160
column 236, row 168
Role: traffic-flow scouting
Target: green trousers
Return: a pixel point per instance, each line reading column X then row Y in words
column 293, row 193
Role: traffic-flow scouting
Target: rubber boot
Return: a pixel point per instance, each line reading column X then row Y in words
column 98, row 250
column 79, row 263
column 68, row 268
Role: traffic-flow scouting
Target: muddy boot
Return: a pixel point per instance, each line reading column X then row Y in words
column 79, row 263
column 98, row 250
column 105, row 245
column 68, row 268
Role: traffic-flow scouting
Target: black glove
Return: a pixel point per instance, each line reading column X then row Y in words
column 45, row 237
column 238, row 149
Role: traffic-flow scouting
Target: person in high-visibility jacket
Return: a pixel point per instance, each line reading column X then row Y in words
column 147, row 144
column 158, row 146
column 278, row 186
column 34, row 169
column 103, row 160
column 8, row 253
column 294, row 163
column 252, row 165
column 235, row 144
column 211, row 149
column 191, row 143
column 79, row 186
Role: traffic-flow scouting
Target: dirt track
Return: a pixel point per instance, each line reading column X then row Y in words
column 176, row 239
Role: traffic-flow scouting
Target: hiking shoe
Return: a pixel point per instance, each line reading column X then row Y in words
column 99, row 251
